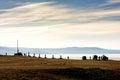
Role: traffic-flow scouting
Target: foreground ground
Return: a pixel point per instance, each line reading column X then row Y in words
column 29, row 68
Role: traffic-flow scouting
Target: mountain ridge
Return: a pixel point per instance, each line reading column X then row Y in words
column 66, row 50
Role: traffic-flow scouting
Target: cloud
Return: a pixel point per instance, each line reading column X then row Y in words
column 63, row 26
column 45, row 13
column 113, row 1
column 62, row 35
column 88, row 29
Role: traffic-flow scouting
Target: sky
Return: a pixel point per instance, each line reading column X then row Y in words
column 60, row 23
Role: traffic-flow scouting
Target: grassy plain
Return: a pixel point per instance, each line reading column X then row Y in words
column 31, row 68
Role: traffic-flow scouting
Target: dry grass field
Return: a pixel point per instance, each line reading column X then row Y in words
column 17, row 62
column 29, row 68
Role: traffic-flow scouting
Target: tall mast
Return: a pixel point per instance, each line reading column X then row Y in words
column 17, row 47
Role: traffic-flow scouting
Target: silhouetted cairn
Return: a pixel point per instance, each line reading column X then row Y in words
column 90, row 57
column 6, row 54
column 39, row 56
column 18, row 54
column 84, row 58
column 34, row 55
column 45, row 56
column 25, row 54
column 53, row 57
column 29, row 54
column 95, row 57
column 99, row 58
column 61, row 57
column 68, row 57
column 104, row 57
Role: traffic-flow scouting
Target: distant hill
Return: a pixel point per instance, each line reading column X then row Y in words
column 68, row 50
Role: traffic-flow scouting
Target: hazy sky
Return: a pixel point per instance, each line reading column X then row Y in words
column 60, row 23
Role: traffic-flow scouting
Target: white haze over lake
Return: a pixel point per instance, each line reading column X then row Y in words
column 77, row 56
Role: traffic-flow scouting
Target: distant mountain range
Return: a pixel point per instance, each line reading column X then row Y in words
column 68, row 50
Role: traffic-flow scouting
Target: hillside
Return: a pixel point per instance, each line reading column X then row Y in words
column 6, row 62
column 29, row 68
